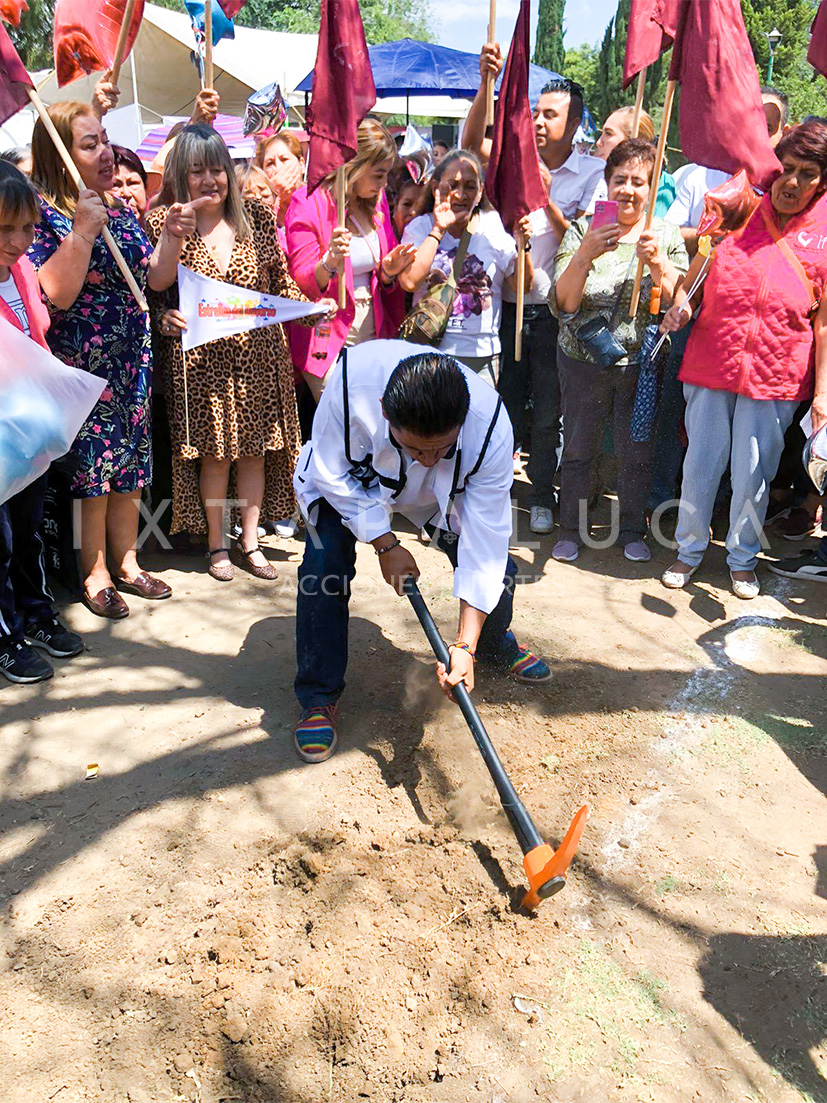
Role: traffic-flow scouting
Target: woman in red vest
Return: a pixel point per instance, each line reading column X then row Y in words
column 756, row 351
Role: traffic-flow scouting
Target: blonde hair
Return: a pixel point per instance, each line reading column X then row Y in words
column 646, row 128
column 195, row 144
column 251, row 174
column 48, row 171
column 375, row 147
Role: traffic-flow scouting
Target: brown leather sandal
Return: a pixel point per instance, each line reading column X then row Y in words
column 240, row 555
column 221, row 572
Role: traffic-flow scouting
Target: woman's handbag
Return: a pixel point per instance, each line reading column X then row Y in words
column 427, row 322
column 596, row 335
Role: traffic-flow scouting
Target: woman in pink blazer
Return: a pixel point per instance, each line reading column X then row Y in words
column 365, row 245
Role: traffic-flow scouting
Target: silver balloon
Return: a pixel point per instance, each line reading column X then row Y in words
column 266, row 111
column 417, row 154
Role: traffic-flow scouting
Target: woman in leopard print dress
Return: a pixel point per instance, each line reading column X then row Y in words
column 243, row 438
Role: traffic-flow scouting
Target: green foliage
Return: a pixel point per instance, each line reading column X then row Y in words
column 384, row 20
column 581, row 65
column 806, row 89
column 34, row 37
column 548, row 48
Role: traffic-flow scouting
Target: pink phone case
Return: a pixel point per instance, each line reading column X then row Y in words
column 605, row 213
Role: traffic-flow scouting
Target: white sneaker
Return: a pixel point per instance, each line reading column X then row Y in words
column 541, row 519
column 676, row 580
column 746, row 589
column 286, row 528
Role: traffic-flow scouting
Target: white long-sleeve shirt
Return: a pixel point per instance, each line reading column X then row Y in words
column 354, row 463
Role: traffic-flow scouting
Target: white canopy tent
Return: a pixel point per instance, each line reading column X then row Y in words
column 160, row 78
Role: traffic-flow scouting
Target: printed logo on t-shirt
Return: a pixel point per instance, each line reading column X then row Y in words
column 9, row 292
column 812, row 241
column 474, row 294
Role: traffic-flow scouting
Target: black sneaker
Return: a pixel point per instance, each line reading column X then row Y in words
column 20, row 663
column 54, row 638
column 807, row 566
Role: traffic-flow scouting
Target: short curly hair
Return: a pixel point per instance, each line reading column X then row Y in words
column 632, row 149
column 807, row 142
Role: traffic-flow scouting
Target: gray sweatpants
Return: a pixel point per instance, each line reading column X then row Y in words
column 747, row 434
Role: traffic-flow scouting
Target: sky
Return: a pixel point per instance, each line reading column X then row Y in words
column 463, row 24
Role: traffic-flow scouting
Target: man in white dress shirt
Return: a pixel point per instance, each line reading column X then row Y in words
column 399, row 428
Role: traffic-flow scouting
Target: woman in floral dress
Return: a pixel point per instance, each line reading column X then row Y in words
column 96, row 325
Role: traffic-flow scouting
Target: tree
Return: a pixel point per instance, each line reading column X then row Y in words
column 548, row 49
column 581, row 66
column 806, row 89
column 35, row 35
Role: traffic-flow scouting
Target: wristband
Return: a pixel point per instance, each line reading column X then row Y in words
column 436, row 239
column 527, row 247
column 388, row 547
column 459, row 645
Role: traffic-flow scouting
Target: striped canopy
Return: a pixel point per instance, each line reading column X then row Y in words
column 229, row 127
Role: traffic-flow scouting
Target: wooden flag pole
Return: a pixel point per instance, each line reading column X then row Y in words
column 653, row 193
column 120, row 49
column 72, row 169
column 489, row 80
column 641, row 84
column 518, row 334
column 341, row 215
column 209, row 75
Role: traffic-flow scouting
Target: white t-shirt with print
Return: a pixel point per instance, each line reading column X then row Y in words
column 9, row 292
column 474, row 326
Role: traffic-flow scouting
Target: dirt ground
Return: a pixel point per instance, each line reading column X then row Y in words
column 210, row 920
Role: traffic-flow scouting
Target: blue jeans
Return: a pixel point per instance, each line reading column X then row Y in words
column 531, row 388
column 24, row 593
column 325, row 576
column 747, row 434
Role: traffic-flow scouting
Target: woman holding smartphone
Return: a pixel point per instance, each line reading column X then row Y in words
column 592, row 284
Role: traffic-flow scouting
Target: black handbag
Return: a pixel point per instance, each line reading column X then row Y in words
column 596, row 335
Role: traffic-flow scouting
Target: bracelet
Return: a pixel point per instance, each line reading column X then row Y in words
column 460, row 646
column 389, row 547
column 436, row 239
column 83, row 237
column 527, row 247
column 330, row 271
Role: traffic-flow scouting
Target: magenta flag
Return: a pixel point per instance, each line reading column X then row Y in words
column 343, row 89
column 14, row 79
column 651, row 30
column 513, row 182
column 722, row 119
column 817, row 53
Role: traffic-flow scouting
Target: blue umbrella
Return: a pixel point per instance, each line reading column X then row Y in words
column 410, row 68
column 652, row 354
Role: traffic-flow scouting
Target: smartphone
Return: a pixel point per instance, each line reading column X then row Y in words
column 605, row 213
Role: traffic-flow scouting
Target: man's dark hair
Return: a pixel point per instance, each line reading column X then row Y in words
column 781, row 98
column 426, row 394
column 574, row 91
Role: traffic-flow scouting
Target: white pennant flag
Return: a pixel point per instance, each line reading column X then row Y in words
column 215, row 309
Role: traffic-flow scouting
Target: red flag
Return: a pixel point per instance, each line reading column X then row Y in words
column 14, row 80
column 231, row 8
column 817, row 53
column 86, row 35
column 723, row 125
column 343, row 89
column 11, row 10
column 513, row 182
column 652, row 25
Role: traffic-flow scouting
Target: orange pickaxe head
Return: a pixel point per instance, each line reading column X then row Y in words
column 546, row 868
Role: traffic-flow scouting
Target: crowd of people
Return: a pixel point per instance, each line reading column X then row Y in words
column 226, row 422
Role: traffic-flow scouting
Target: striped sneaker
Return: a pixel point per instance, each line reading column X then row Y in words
column 524, row 665
column 314, row 737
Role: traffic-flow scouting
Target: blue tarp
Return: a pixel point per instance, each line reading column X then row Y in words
column 409, row 68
